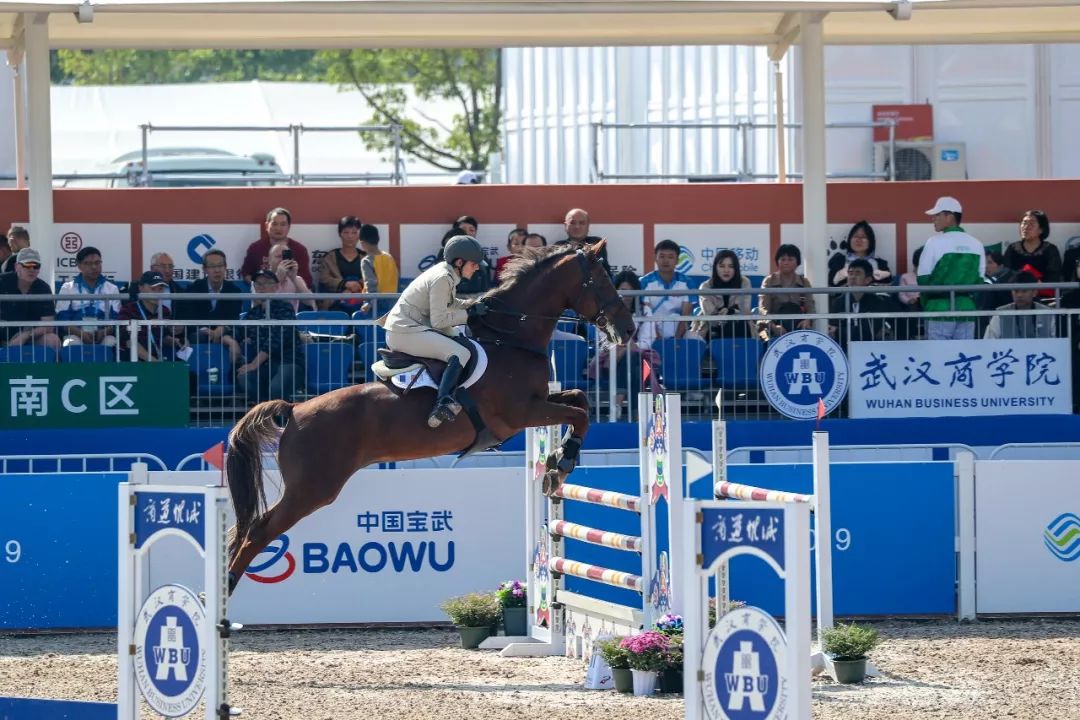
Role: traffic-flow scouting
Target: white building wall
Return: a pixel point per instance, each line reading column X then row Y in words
column 1017, row 107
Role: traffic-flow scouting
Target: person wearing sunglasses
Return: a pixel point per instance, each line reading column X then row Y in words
column 25, row 281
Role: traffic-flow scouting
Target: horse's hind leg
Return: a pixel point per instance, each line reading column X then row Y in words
column 278, row 519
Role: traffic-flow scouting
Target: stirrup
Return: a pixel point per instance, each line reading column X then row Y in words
column 445, row 411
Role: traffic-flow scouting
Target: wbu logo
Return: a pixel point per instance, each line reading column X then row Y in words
column 746, row 684
column 804, row 376
column 686, row 260
column 1062, row 537
column 800, row 368
column 744, row 660
column 170, row 654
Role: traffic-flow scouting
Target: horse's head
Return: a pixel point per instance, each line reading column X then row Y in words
column 598, row 301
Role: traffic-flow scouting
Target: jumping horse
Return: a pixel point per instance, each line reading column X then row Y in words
column 321, row 442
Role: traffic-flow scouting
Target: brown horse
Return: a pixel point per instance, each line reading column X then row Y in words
column 326, row 439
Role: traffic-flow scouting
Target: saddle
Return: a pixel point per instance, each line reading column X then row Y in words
column 398, row 363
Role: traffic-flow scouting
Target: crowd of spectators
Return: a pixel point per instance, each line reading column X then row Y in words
column 268, row 361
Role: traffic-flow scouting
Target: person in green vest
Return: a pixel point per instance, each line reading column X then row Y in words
column 950, row 257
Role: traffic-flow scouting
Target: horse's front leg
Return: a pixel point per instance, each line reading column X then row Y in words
column 573, row 405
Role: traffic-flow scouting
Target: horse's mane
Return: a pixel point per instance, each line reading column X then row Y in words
column 532, row 261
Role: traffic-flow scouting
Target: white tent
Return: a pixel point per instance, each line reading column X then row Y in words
column 34, row 26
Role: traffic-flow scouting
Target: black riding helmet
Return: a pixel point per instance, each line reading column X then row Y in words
column 463, row 247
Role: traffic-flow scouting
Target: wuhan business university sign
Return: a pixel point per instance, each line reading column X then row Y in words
column 938, row 378
column 93, row 395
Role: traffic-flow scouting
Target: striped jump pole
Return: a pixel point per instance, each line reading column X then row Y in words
column 566, row 622
column 736, row 491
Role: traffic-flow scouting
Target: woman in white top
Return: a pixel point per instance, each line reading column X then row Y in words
column 289, row 280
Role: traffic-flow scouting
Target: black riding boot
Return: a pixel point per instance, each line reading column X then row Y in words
column 446, row 407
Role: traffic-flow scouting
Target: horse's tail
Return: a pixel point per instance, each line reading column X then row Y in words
column 243, row 465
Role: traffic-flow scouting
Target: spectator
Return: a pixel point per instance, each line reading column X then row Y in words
column 162, row 262
column 480, row 282
column 535, row 240
column 577, row 225
column 274, row 371
column 215, row 268
column 154, row 342
column 861, row 243
column 379, row 270
column 1035, row 323
column 278, row 224
column 467, row 177
column 515, row 242
column 951, row 257
column 18, row 239
column 287, row 269
column 1033, row 252
column 89, row 282
column 788, row 259
column 1071, row 301
column 665, row 277
column 628, row 356
column 25, row 281
column 997, row 273
column 909, row 328
column 726, row 274
column 340, row 271
column 859, row 274
column 7, row 256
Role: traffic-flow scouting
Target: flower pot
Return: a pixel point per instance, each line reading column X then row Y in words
column 644, row 682
column 624, row 679
column 471, row 637
column 516, row 621
column 671, row 681
column 850, row 671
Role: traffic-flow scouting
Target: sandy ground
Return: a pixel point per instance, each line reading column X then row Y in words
column 931, row 669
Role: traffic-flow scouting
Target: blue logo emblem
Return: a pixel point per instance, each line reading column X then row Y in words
column 686, row 260
column 800, row 368
column 170, row 660
column 199, row 243
column 744, row 667
column 1062, row 537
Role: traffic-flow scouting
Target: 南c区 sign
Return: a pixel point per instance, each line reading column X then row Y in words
column 96, row 395
column 938, row 378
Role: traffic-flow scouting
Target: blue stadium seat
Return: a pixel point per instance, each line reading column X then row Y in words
column 205, row 357
column 367, row 354
column 88, row 353
column 321, row 329
column 328, row 366
column 28, row 354
column 681, row 362
column 569, row 358
column 736, row 362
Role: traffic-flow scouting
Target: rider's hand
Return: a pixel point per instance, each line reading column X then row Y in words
column 478, row 309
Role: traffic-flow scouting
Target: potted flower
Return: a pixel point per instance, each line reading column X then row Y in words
column 647, row 657
column 671, row 678
column 515, row 614
column 670, row 624
column 618, row 659
column 848, row 645
column 473, row 615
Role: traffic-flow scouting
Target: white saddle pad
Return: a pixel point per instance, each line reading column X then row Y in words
column 404, row 380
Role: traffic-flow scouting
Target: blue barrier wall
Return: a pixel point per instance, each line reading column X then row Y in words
column 64, row 573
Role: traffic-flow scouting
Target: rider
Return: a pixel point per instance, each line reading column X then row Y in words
column 423, row 320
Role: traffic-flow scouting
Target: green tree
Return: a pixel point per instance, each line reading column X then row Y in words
column 471, row 79
column 144, row 67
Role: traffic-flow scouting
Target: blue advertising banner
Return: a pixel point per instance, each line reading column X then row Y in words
column 893, row 538
column 58, row 537
column 936, row 378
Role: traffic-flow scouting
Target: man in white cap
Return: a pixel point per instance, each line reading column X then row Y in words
column 951, row 257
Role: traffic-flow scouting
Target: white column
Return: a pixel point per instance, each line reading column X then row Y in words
column 18, row 94
column 812, row 55
column 39, row 123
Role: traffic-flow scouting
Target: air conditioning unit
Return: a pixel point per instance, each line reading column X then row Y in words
column 923, row 160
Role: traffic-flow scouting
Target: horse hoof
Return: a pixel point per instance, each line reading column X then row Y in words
column 552, row 482
column 552, row 461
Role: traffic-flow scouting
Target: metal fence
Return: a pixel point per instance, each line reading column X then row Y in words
column 312, row 355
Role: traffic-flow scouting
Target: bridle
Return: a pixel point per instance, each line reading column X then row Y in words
column 588, row 283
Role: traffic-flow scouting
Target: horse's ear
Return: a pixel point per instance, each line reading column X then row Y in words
column 596, row 248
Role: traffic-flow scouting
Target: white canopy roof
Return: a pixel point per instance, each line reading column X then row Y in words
column 506, row 23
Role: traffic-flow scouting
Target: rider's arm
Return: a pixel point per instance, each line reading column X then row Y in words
column 447, row 310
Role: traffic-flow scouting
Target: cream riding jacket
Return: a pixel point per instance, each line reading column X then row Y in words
column 429, row 303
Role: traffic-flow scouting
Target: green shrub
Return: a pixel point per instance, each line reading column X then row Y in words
column 615, row 655
column 473, row 610
column 849, row 642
